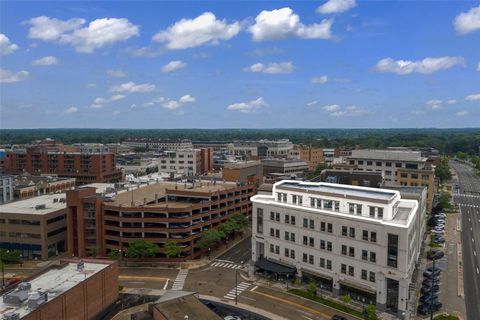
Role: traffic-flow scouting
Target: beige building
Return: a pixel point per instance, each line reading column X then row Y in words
column 247, row 172
column 37, row 227
column 312, row 156
column 28, row 186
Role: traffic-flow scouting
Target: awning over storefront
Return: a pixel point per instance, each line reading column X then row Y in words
column 318, row 275
column 358, row 287
column 271, row 266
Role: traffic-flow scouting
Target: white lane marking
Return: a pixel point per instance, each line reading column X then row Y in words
column 215, row 264
column 473, row 240
column 475, row 253
column 254, row 288
column 478, row 271
column 166, row 284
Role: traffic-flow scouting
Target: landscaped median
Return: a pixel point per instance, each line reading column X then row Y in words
column 331, row 303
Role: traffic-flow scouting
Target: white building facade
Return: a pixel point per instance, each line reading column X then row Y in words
column 350, row 240
column 184, row 162
column 6, row 189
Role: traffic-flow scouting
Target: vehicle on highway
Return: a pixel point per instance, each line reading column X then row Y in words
column 337, row 317
column 435, row 254
column 426, row 289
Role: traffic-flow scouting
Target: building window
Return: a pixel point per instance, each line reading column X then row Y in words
column 344, row 249
column 351, row 251
column 352, row 232
column 373, row 236
column 294, row 199
column 329, row 264
column 365, row 235
column 372, row 212
column 380, row 213
column 300, row 200
column 287, row 253
column 277, row 249
column 284, row 195
column 305, row 240
column 292, row 220
column 272, row 248
column 292, row 237
column 272, row 215
column 322, row 226
column 311, row 242
column 322, row 244
column 378, row 163
column 272, row 232
column 329, row 228
column 329, row 246
column 287, row 218
column 373, row 257
column 337, row 206
column 287, row 235
column 310, row 259
column 312, row 224
column 305, row 222
column 364, row 274
column 344, row 231
column 292, row 254
column 322, row 263
column 328, row 204
column 277, row 233
column 279, row 197
column 392, row 250
column 260, row 220
column 305, row 257
column 351, row 208
column 277, row 217
column 388, row 164
column 312, row 202
column 372, row 276
column 351, row 271
column 364, row 255
column 343, row 268
column 398, row 164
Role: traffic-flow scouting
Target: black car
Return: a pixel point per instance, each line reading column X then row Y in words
column 429, row 282
column 438, row 239
column 427, row 289
column 337, row 317
column 424, row 308
column 429, row 274
column 435, row 254
column 427, row 298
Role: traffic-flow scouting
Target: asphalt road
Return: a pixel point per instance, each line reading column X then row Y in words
column 242, row 252
column 468, row 200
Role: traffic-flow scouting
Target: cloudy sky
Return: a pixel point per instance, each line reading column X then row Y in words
column 250, row 64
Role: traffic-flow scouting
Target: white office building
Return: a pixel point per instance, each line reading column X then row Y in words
column 6, row 189
column 348, row 239
column 183, row 162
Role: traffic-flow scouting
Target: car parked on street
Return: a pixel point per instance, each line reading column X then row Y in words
column 426, row 289
column 434, row 254
column 429, row 273
column 425, row 308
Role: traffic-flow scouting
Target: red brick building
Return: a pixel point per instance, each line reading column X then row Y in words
column 49, row 157
column 157, row 212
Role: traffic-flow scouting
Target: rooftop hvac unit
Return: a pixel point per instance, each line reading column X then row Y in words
column 11, row 316
column 37, row 299
column 55, row 200
column 40, row 206
column 24, row 286
column 80, row 266
column 16, row 297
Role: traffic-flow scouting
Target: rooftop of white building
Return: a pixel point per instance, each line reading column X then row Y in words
column 54, row 282
column 37, row 205
column 398, row 155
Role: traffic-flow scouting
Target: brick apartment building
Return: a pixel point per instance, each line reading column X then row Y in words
column 74, row 289
column 52, row 157
column 311, row 155
column 156, row 212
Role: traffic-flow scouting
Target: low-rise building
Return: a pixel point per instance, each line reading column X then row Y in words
column 28, row 186
column 181, row 305
column 73, row 289
column 352, row 240
column 311, row 155
column 354, row 178
column 156, row 212
column 284, row 167
column 158, row 144
column 37, row 227
column 188, row 162
column 245, row 172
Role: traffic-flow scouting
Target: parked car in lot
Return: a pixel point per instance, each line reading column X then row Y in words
column 424, row 308
column 435, row 254
column 429, row 273
column 426, row 289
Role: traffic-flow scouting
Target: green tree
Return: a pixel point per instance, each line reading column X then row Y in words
column 10, row 256
column 442, row 171
column 444, row 200
column 141, row 249
column 92, row 251
column 227, row 227
column 239, row 221
column 312, row 289
column 346, row 299
column 461, row 155
column 318, row 170
column 209, row 237
column 171, row 249
column 371, row 312
column 113, row 254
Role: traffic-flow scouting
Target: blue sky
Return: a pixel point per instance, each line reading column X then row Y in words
column 250, row 64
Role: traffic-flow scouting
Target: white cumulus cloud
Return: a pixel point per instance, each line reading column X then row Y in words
column 434, row 104
column 98, row 103
column 45, row 61
column 84, row 38
column 451, row 101
column 132, row 87
column 478, row 67
column 336, row 110
column 117, row 97
column 187, row 99
column 271, row 68
column 71, row 110
column 283, row 23
column 7, row 76
column 467, row 22
column 116, row 73
column 6, row 47
column 173, row 66
column 473, row 97
column 312, row 103
column 191, row 33
column 321, row 80
column 461, row 113
column 425, row 66
column 248, row 107
column 336, row 6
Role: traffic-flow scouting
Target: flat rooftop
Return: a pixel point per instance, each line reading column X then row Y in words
column 398, row 155
column 175, row 305
column 240, row 165
column 148, row 192
column 338, row 189
column 55, row 282
column 52, row 203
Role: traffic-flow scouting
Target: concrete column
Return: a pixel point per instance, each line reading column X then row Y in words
column 381, row 291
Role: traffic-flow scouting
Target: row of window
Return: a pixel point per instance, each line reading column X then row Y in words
column 351, row 272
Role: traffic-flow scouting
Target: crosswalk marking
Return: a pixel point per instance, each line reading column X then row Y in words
column 237, row 290
column 226, row 265
column 180, row 279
